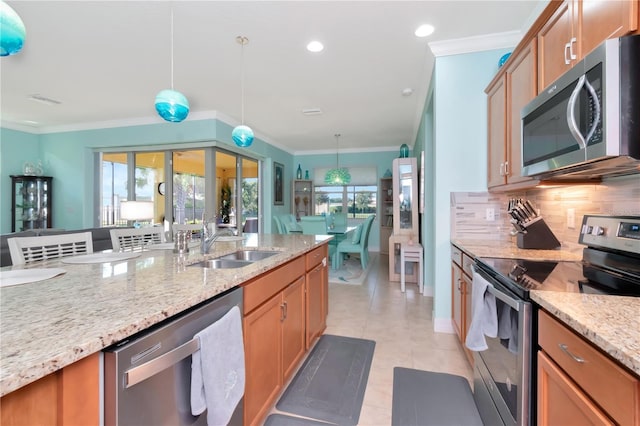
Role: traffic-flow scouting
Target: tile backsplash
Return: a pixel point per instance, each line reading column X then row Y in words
column 483, row 215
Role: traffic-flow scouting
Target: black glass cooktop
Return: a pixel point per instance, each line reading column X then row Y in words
column 521, row 276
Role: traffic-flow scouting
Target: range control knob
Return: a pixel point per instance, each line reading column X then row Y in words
column 597, row 230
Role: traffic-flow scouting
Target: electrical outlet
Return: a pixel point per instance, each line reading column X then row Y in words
column 571, row 218
column 490, row 214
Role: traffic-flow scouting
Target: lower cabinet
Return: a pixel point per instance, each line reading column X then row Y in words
column 317, row 289
column 461, row 285
column 285, row 312
column 70, row 396
column 579, row 385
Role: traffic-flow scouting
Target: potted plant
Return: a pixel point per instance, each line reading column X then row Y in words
column 225, row 203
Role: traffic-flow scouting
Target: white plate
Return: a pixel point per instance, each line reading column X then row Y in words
column 99, row 257
column 24, row 276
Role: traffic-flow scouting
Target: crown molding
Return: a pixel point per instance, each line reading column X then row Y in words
column 476, row 43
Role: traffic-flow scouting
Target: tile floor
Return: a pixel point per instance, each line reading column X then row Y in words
column 402, row 327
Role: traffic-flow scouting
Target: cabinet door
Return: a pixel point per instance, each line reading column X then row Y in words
column 302, row 199
column 496, row 138
column 456, row 299
column 315, row 300
column 293, row 327
column 553, row 54
column 604, row 19
column 405, row 197
column 263, row 358
column 467, row 289
column 521, row 89
column 560, row 401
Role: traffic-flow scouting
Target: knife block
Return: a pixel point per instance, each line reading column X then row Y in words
column 537, row 235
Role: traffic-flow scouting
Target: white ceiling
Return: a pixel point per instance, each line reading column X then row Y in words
column 105, row 61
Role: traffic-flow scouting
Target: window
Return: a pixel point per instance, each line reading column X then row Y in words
column 358, row 201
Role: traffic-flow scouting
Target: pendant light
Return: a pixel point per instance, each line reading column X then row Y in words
column 242, row 135
column 12, row 31
column 172, row 105
column 337, row 176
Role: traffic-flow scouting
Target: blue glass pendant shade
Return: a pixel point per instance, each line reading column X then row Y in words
column 242, row 135
column 171, row 105
column 12, row 31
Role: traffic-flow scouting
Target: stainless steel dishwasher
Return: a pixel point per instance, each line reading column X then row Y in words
column 148, row 377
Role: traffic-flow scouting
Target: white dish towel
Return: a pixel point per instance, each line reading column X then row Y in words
column 484, row 317
column 217, row 369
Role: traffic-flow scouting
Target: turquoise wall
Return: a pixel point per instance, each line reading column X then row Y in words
column 381, row 159
column 16, row 148
column 460, row 153
column 68, row 157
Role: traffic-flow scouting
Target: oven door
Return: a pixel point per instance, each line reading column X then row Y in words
column 503, row 371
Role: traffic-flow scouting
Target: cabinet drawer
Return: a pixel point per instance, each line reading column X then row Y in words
column 259, row 290
column 315, row 256
column 467, row 265
column 615, row 390
column 456, row 255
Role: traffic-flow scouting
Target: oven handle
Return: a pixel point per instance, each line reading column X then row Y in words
column 514, row 303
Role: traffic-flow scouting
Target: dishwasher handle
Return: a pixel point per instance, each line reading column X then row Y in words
column 142, row 372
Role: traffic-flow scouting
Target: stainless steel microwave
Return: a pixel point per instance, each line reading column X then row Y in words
column 586, row 124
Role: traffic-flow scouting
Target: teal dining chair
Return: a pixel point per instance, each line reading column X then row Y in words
column 359, row 244
column 315, row 225
column 279, row 226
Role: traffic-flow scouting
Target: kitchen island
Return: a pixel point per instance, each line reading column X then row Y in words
column 51, row 324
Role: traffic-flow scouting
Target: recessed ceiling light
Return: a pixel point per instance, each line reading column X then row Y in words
column 424, row 30
column 315, row 47
column 407, row 92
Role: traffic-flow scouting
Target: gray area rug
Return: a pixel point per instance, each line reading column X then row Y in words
column 330, row 384
column 425, row 398
column 281, row 420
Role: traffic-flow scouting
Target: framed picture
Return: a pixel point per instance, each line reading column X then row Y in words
column 278, row 184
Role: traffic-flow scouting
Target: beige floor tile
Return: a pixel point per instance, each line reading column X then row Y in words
column 401, row 324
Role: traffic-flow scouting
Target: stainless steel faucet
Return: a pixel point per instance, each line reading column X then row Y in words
column 208, row 238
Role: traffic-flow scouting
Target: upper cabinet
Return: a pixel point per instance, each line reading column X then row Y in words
column 505, row 98
column 30, row 202
column 405, row 197
column 302, row 198
column 563, row 34
column 576, row 28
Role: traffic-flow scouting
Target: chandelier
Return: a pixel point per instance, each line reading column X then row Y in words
column 337, row 176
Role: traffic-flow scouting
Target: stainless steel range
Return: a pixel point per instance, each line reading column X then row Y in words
column 505, row 385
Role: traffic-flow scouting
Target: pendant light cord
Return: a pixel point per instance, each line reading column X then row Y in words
column 337, row 135
column 171, row 47
column 242, row 40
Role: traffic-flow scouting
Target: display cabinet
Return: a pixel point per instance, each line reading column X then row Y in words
column 302, row 198
column 405, row 216
column 386, row 213
column 30, row 202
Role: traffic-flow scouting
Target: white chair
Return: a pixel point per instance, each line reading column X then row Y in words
column 411, row 253
column 135, row 239
column 32, row 249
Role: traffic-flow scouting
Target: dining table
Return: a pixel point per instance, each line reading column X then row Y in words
column 339, row 233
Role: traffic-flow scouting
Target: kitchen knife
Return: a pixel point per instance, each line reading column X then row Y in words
column 523, row 212
column 529, row 207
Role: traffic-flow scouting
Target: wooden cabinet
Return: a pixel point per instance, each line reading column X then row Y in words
column 505, row 98
column 30, row 202
column 461, row 286
column 317, row 289
column 578, row 384
column 274, row 335
column 285, row 313
column 576, row 28
column 70, row 396
column 302, row 199
column 386, row 213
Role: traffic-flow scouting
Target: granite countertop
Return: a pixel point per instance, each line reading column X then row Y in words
column 611, row 323
column 50, row 324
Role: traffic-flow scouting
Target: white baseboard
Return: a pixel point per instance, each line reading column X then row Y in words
column 443, row 325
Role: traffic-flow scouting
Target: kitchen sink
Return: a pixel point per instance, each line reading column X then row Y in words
column 248, row 255
column 222, row 263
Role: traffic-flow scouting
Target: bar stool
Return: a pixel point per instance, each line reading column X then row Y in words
column 411, row 253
